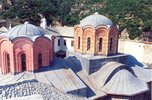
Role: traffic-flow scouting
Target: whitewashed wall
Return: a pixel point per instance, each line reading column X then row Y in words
column 147, row 56
column 62, row 47
column 56, row 47
column 141, row 51
column 68, row 43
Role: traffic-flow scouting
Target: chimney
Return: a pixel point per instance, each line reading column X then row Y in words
column 10, row 26
column 43, row 23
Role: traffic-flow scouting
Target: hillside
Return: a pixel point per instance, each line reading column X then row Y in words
column 134, row 15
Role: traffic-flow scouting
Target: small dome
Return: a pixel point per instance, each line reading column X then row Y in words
column 95, row 20
column 104, row 74
column 25, row 30
column 125, row 83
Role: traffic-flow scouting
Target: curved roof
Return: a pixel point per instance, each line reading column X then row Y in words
column 95, row 20
column 143, row 74
column 106, row 72
column 25, row 30
column 125, row 83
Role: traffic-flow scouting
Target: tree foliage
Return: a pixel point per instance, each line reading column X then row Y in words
column 58, row 10
column 135, row 15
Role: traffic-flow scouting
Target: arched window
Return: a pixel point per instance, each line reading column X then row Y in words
column 111, row 44
column 59, row 42
column 88, row 43
column 8, row 61
column 79, row 42
column 23, row 62
column 40, row 59
column 64, row 42
column 100, row 44
column 72, row 43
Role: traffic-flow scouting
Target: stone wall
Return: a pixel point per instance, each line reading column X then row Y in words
column 96, row 64
column 91, row 65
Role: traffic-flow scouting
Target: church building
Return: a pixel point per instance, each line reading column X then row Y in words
column 25, row 48
column 96, row 35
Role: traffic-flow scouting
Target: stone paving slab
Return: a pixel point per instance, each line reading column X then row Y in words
column 75, row 80
column 52, row 78
column 41, row 77
column 65, row 80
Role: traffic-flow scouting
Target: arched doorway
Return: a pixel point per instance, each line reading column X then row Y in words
column 23, row 62
column 111, row 40
column 100, row 44
column 8, row 61
column 40, row 60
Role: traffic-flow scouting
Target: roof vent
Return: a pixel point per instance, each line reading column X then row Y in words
column 96, row 13
column 26, row 22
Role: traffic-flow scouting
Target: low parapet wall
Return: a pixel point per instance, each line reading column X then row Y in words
column 92, row 64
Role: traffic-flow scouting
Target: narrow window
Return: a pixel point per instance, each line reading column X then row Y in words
column 8, row 61
column 23, row 62
column 88, row 43
column 110, row 44
column 79, row 42
column 100, row 44
column 64, row 42
column 58, row 42
column 40, row 59
column 72, row 43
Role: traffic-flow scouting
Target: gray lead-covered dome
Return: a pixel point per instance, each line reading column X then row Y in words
column 95, row 20
column 25, row 30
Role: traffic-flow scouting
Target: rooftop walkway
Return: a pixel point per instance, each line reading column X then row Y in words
column 58, row 75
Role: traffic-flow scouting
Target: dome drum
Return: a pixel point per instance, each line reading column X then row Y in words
column 96, row 35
